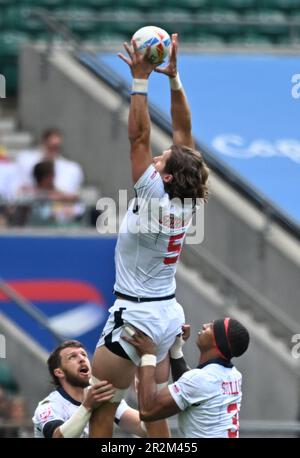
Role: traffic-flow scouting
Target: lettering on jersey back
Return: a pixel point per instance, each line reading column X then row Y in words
column 231, row 388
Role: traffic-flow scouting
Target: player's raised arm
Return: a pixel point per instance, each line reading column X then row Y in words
column 180, row 110
column 139, row 119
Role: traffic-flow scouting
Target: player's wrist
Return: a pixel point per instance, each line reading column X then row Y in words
column 148, row 359
column 87, row 406
column 175, row 82
column 176, row 349
column 142, row 75
column 74, row 426
column 87, row 402
column 139, row 86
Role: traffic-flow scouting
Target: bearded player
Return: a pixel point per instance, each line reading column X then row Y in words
column 66, row 411
column 149, row 242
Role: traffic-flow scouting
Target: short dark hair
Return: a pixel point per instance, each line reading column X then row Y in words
column 54, row 360
column 190, row 174
column 47, row 133
column 42, row 169
column 238, row 337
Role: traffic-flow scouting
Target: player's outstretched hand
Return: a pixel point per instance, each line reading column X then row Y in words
column 98, row 394
column 139, row 64
column 143, row 344
column 171, row 68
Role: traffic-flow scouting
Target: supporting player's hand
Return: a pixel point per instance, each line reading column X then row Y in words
column 98, row 394
column 139, row 64
column 186, row 331
column 176, row 349
column 143, row 344
column 171, row 68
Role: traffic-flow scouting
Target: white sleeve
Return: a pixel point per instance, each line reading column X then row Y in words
column 193, row 387
column 45, row 412
column 78, row 178
column 150, row 184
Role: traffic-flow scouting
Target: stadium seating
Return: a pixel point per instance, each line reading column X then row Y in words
column 252, row 40
column 286, row 5
column 199, row 21
column 272, row 22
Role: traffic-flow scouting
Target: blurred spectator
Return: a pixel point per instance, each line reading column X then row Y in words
column 17, row 410
column 8, row 175
column 68, row 175
column 43, row 175
column 49, row 205
column 4, row 412
column 16, row 422
column 14, row 419
column 44, row 183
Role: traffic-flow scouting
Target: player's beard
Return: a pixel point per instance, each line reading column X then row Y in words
column 75, row 381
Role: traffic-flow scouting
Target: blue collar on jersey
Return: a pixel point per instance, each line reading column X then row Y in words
column 220, row 361
column 65, row 395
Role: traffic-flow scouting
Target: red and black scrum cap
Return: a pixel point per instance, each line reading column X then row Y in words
column 220, row 328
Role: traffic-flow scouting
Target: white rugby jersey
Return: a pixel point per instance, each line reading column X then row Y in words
column 58, row 407
column 209, row 398
column 150, row 239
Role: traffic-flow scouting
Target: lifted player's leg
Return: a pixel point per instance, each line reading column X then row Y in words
column 160, row 428
column 120, row 372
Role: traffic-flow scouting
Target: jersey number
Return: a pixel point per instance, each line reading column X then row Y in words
column 175, row 248
column 234, row 432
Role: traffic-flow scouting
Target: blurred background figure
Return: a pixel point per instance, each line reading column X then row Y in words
column 50, row 205
column 40, row 186
column 44, row 183
column 3, row 406
column 14, row 418
column 68, row 175
column 8, row 175
column 18, row 416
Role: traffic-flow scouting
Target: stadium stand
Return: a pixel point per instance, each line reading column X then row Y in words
column 214, row 279
column 200, row 22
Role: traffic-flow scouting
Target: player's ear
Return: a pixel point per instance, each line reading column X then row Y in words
column 59, row 373
column 167, row 178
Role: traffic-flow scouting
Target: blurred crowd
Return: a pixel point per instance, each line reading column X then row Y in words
column 40, row 186
column 14, row 416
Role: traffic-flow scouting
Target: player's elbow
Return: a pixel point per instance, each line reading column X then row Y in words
column 146, row 415
column 139, row 135
column 138, row 138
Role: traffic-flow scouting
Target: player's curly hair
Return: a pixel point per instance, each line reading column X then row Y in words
column 54, row 360
column 190, row 174
column 238, row 337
